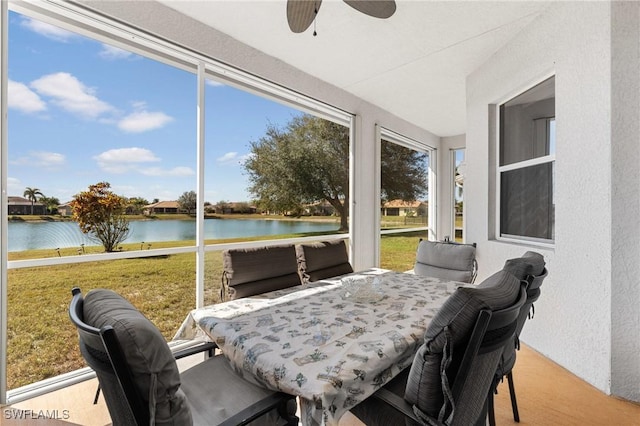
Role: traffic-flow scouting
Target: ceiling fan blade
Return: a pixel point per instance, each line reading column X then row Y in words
column 376, row 8
column 301, row 13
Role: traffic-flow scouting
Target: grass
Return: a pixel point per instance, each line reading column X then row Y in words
column 42, row 341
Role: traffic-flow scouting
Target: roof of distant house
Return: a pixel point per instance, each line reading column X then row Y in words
column 164, row 205
column 21, row 200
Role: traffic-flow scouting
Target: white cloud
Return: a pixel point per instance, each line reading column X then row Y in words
column 123, row 160
column 71, row 94
column 128, row 155
column 114, row 53
column 128, row 160
column 232, row 158
column 24, row 99
column 14, row 186
column 229, row 157
column 142, row 121
column 47, row 30
column 214, row 83
column 176, row 171
column 48, row 159
column 41, row 159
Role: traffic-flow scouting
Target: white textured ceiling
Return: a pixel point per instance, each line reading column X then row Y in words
column 413, row 64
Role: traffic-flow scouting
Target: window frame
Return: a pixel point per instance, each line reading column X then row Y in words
column 546, row 159
column 452, row 194
column 407, row 142
column 86, row 22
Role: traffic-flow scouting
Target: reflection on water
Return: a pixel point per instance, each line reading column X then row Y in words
column 44, row 235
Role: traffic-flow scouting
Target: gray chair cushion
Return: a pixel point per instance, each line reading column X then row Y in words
column 259, row 270
column 209, row 383
column 531, row 263
column 445, row 260
column 322, row 260
column 449, row 328
column 151, row 362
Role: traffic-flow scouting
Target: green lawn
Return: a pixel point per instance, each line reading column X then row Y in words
column 42, row 341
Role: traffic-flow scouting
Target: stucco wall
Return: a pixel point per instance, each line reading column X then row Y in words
column 574, row 322
column 573, row 318
column 625, row 200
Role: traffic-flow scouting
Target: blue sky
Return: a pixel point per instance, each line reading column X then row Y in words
column 81, row 112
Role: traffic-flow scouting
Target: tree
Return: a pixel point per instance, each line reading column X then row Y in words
column 100, row 214
column 403, row 173
column 308, row 161
column 222, row 207
column 51, row 203
column 32, row 194
column 188, row 201
column 136, row 205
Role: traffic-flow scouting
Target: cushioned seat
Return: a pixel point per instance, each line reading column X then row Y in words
column 446, row 260
column 443, row 385
column 140, row 380
column 326, row 259
column 531, row 269
column 251, row 271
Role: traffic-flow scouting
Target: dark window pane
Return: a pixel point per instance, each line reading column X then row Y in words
column 527, row 202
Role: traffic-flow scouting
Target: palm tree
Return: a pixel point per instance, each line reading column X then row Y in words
column 51, row 203
column 31, row 194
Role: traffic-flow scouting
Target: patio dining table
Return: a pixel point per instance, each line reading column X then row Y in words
column 333, row 342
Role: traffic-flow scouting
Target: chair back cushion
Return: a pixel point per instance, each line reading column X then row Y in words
column 447, row 336
column 322, row 260
column 530, row 264
column 259, row 270
column 445, row 260
column 149, row 358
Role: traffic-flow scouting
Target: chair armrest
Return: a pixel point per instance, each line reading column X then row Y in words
column 396, row 402
column 204, row 346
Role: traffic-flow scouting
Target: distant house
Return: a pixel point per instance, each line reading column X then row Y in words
column 242, row 207
column 166, row 207
column 402, row 208
column 65, row 209
column 20, row 205
column 322, row 208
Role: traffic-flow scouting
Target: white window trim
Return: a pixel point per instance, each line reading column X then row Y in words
column 4, row 225
column 507, row 238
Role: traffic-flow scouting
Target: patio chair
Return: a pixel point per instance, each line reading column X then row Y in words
column 327, row 259
column 446, row 260
column 531, row 268
column 251, row 271
column 450, row 380
column 139, row 377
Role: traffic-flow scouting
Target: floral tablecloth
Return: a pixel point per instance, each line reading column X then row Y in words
column 332, row 342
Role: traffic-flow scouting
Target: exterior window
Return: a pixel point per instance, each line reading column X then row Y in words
column 405, row 204
column 84, row 112
column 457, row 195
column 527, row 162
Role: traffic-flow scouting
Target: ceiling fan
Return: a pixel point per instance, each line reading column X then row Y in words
column 302, row 13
